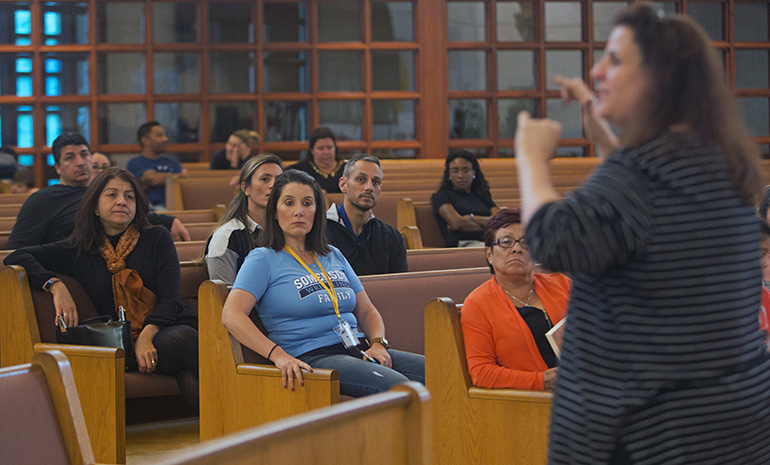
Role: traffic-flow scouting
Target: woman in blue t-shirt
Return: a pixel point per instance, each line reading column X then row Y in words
column 310, row 300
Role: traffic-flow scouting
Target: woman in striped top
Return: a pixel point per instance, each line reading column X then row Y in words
column 662, row 358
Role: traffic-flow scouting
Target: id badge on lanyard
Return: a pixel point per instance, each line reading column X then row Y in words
column 346, row 334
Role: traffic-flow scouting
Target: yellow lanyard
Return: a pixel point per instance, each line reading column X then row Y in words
column 332, row 293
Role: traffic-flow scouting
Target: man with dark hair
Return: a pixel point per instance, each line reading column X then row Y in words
column 48, row 215
column 150, row 168
column 370, row 245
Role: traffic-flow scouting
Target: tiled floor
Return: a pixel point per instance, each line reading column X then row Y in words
column 151, row 443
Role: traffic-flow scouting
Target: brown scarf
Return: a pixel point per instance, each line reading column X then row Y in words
column 127, row 286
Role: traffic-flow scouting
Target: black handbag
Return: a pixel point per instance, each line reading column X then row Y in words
column 99, row 331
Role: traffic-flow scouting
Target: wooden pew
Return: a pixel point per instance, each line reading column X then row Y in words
column 401, row 298
column 445, row 259
column 26, row 329
column 190, row 251
column 200, row 231
column 187, row 192
column 206, row 215
column 382, row 429
column 477, row 425
column 240, row 389
column 11, row 209
column 14, row 199
column 42, row 421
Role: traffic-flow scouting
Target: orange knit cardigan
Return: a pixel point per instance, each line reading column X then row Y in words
column 499, row 346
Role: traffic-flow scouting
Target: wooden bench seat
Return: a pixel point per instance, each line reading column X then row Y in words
column 471, row 424
column 382, row 429
column 26, row 328
column 445, row 258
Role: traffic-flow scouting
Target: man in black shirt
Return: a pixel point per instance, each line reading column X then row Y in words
column 48, row 215
column 369, row 244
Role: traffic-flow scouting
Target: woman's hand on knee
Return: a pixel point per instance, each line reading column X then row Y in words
column 146, row 354
column 380, row 353
column 290, row 368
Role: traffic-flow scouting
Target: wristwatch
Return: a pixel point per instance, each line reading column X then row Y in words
column 381, row 340
column 49, row 284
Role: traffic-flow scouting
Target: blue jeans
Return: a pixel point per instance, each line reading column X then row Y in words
column 359, row 377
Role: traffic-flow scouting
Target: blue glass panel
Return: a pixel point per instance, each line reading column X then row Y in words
column 23, row 41
column 52, row 128
column 23, row 22
column 23, row 86
column 52, row 23
column 24, row 65
column 25, row 108
column 52, row 87
column 52, row 65
column 51, row 42
column 53, row 181
column 49, row 160
column 24, row 130
column 26, row 160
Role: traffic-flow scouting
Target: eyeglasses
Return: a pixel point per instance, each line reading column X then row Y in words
column 508, row 242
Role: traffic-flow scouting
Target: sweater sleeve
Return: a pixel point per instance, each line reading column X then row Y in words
column 480, row 352
column 42, row 261
column 602, row 224
column 168, row 285
column 31, row 223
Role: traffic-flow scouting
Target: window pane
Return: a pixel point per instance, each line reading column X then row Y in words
column 120, row 23
column 750, row 21
column 230, row 22
column 344, row 117
column 394, row 153
column 286, row 72
column 118, row 122
column 507, row 112
column 181, row 121
column 392, row 70
column 65, row 73
column 467, row 70
column 176, row 73
column 286, row 121
column 392, row 22
column 468, row 119
column 285, row 22
column 231, row 73
column 174, row 22
column 64, row 23
column 226, row 117
column 393, row 119
column 516, row 69
column 16, row 74
column 666, row 9
column 751, row 70
column 563, row 21
column 710, row 16
column 604, row 18
column 567, row 63
column 339, row 21
column 121, row 73
column 339, row 71
column 16, row 126
column 515, row 21
column 465, row 21
column 66, row 117
column 15, row 23
column 569, row 117
column 756, row 112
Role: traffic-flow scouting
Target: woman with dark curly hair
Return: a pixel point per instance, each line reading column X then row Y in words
column 463, row 205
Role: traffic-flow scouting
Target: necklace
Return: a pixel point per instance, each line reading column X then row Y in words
column 529, row 297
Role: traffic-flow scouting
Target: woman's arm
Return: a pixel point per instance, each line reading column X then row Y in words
column 370, row 322
column 536, row 141
column 483, row 220
column 457, row 222
column 235, row 317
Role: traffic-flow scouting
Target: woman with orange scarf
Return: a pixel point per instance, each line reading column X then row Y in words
column 120, row 260
column 505, row 319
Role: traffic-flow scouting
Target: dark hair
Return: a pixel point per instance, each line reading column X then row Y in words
column 479, row 186
column 239, row 206
column 687, row 86
column 764, row 230
column 764, row 204
column 145, row 130
column 272, row 235
column 322, row 132
column 68, row 138
column 88, row 232
column 356, row 158
column 501, row 219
